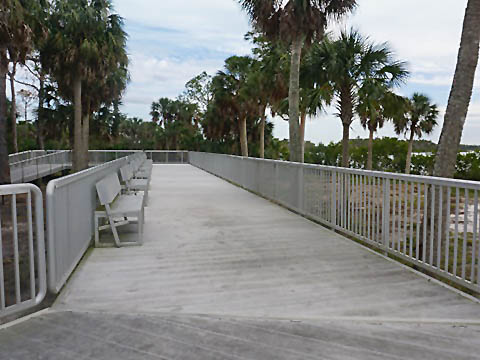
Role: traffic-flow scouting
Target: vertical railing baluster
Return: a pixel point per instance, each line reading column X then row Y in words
column 364, row 228
column 465, row 233
column 447, row 235
column 369, row 208
column 405, row 216
column 399, row 216
column 31, row 253
column 418, row 242
column 333, row 207
column 348, row 217
column 432, row 224
column 474, row 239
column 378, row 214
column 455, row 244
column 425, row 217
column 15, row 249
column 440, row 226
column 412, row 201
column 386, row 213
column 394, row 214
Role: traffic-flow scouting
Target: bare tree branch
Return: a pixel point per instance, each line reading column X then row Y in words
column 27, row 84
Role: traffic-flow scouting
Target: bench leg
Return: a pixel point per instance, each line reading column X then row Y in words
column 140, row 226
column 97, row 237
column 112, row 225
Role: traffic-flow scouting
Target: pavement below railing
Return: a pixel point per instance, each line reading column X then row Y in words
column 225, row 274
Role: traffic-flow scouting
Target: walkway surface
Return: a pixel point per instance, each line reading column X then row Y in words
column 224, row 274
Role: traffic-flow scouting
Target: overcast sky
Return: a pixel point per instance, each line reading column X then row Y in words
column 172, row 41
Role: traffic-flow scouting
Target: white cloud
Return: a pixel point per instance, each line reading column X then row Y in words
column 172, row 41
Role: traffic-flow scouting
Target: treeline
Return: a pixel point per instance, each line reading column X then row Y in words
column 390, row 155
column 74, row 53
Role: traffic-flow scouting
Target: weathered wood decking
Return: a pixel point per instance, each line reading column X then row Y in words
column 224, row 274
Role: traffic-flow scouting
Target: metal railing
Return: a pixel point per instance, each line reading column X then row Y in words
column 432, row 223
column 37, row 167
column 32, row 165
column 22, row 248
column 71, row 201
column 27, row 155
column 157, row 156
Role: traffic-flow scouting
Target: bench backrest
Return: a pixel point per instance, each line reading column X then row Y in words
column 126, row 172
column 108, row 188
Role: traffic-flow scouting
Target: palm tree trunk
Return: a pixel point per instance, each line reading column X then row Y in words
column 408, row 164
column 294, row 101
column 4, row 165
column 77, row 136
column 242, row 124
column 85, row 136
column 13, row 114
column 460, row 94
column 303, row 119
column 345, row 145
column 346, row 115
column 41, row 96
column 262, row 134
column 370, row 150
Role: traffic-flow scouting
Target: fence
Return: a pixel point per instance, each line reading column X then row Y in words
column 22, row 248
column 432, row 223
column 157, row 156
column 31, row 165
column 27, row 155
column 37, row 167
column 71, row 201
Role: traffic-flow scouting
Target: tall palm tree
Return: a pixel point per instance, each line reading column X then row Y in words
column 296, row 23
column 376, row 105
column 15, row 44
column 347, row 62
column 420, row 118
column 460, row 94
column 232, row 97
column 85, row 45
column 269, row 78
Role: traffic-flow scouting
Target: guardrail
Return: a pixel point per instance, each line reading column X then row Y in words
column 40, row 166
column 26, row 155
column 31, row 165
column 157, row 156
column 71, row 201
column 432, row 223
column 22, row 249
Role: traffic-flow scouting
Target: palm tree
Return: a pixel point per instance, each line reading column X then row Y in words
column 376, row 105
column 232, row 97
column 85, row 45
column 268, row 80
column 420, row 118
column 347, row 63
column 15, row 44
column 460, row 94
column 296, row 23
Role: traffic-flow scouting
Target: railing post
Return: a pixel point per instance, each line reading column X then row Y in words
column 181, row 157
column 333, row 198
column 386, row 213
column 301, row 188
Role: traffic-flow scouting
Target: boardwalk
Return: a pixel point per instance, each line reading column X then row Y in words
column 224, row 274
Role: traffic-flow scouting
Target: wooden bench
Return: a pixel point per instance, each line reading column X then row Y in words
column 133, row 185
column 142, row 169
column 118, row 209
